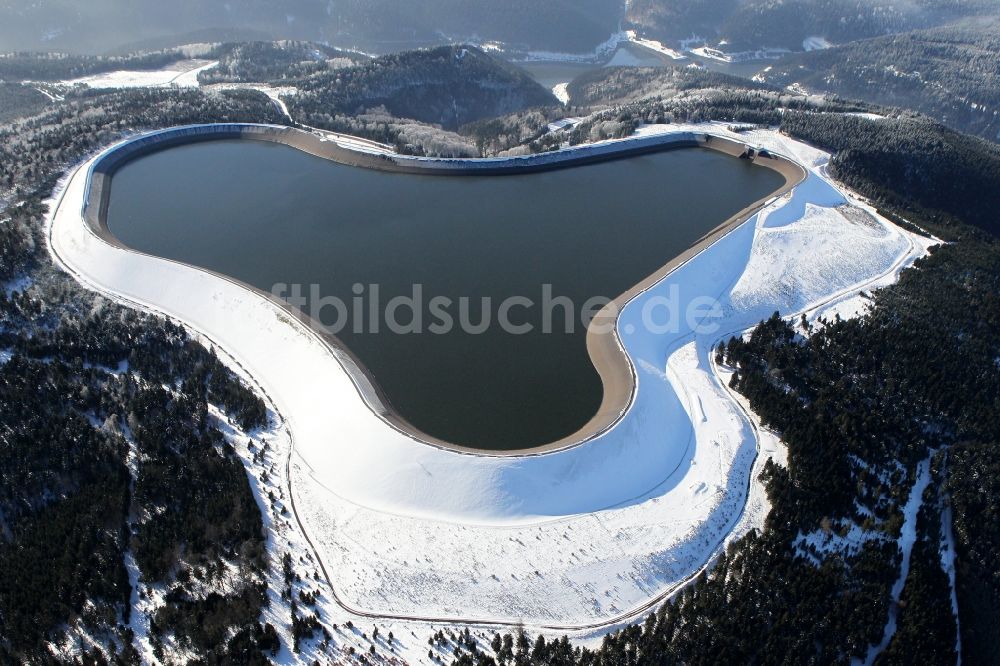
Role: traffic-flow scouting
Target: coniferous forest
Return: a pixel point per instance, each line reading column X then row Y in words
column 107, row 444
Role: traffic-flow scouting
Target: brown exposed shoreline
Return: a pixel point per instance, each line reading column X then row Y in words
column 605, row 348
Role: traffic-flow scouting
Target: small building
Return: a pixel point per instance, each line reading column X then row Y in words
column 564, row 124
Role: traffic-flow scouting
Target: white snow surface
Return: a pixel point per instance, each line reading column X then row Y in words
column 866, row 115
column 576, row 540
column 182, row 74
column 815, row 43
column 561, row 92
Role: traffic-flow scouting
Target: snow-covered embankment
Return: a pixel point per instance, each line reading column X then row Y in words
column 572, row 539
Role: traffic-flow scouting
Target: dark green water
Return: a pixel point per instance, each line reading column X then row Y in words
column 267, row 214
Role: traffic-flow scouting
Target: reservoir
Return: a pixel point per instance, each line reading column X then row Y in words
column 275, row 217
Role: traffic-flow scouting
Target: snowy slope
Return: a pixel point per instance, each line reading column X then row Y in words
column 183, row 74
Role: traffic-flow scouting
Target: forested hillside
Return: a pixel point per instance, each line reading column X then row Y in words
column 672, row 20
column 276, row 62
column 951, row 74
column 449, row 86
column 60, row 66
column 622, row 99
column 619, row 85
column 748, row 25
column 788, row 24
column 912, row 163
column 402, row 100
column 108, row 454
column 17, row 100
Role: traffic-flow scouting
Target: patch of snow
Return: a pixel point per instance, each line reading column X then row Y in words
column 624, row 58
column 851, row 306
column 561, row 92
column 836, row 252
column 866, row 116
column 815, row 43
column 183, row 74
column 189, row 78
column 5, row 355
column 907, row 537
column 262, row 456
column 144, row 600
column 74, row 638
column 769, row 448
column 51, row 95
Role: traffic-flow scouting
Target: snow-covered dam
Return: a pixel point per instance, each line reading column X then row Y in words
column 574, row 538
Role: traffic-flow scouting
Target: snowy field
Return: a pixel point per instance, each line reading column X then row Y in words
column 574, row 541
column 182, row 74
